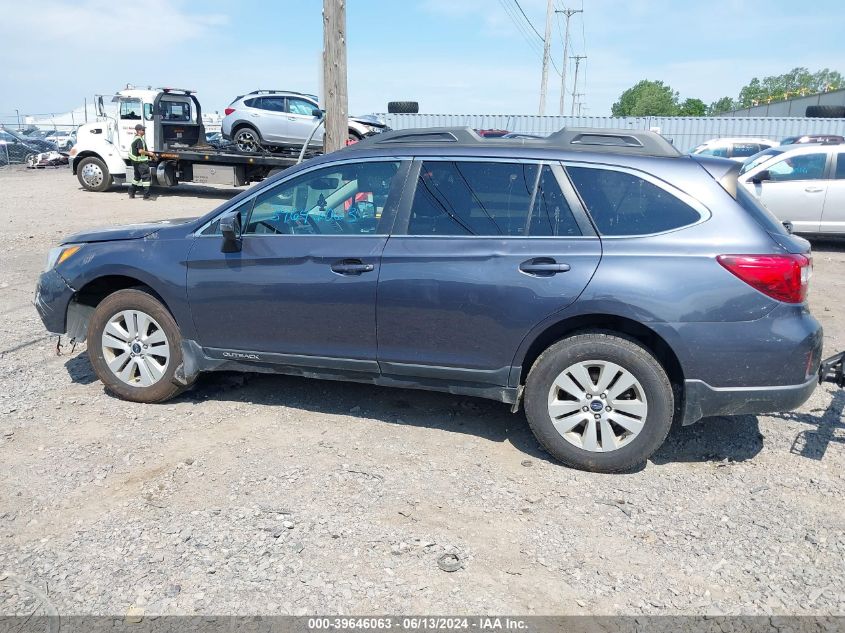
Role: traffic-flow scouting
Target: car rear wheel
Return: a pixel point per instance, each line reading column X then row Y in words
column 247, row 140
column 599, row 401
column 93, row 174
column 135, row 347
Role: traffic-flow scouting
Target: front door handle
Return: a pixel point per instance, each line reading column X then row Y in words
column 543, row 267
column 351, row 267
column 813, row 189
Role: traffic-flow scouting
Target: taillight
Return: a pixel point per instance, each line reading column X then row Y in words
column 228, row 111
column 782, row 277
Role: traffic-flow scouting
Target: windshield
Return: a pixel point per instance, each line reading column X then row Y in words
column 759, row 158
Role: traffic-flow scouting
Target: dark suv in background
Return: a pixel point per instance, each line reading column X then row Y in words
column 599, row 277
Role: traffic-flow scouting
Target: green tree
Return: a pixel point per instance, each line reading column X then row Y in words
column 692, row 107
column 798, row 81
column 647, row 98
column 725, row 104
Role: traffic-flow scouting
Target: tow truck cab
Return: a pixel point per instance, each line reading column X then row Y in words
column 174, row 130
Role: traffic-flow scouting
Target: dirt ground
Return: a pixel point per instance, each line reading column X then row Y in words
column 259, row 494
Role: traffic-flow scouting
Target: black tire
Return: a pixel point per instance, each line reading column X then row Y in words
column 134, row 299
column 245, row 130
column 825, row 111
column 631, row 356
column 403, row 107
column 92, row 183
column 354, row 136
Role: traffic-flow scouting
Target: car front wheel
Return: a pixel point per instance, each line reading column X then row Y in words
column 135, row 347
column 599, row 401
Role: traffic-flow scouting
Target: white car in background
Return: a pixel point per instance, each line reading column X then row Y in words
column 803, row 185
column 738, row 148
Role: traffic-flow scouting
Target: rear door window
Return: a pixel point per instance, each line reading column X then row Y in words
column 744, row 150
column 489, row 199
column 622, row 203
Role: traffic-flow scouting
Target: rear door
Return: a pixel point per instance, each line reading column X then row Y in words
column 833, row 216
column 272, row 120
column 483, row 251
column 796, row 188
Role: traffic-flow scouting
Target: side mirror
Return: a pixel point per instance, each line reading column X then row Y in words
column 230, row 228
column 761, row 177
column 317, row 113
column 788, row 226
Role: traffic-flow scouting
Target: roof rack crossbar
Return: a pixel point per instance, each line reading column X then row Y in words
column 641, row 142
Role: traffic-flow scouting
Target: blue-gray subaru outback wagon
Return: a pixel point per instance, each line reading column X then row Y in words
column 601, row 278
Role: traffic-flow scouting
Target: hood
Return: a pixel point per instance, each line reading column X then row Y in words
column 125, row 232
column 369, row 119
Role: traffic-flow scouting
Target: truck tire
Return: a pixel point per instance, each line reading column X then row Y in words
column 826, row 111
column 135, row 347
column 403, row 107
column 93, row 174
column 599, row 401
column 247, row 140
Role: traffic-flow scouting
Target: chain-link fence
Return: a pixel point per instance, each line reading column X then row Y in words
column 23, row 136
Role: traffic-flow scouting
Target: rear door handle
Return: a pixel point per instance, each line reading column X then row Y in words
column 813, row 189
column 543, row 267
column 351, row 267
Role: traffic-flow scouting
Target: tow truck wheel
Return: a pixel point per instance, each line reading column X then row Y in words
column 93, row 174
column 247, row 140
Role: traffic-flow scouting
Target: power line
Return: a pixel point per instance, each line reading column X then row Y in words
column 520, row 26
column 519, row 6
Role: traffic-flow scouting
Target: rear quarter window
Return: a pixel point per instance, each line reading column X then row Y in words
column 623, row 204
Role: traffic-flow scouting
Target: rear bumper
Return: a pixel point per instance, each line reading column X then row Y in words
column 52, row 296
column 701, row 400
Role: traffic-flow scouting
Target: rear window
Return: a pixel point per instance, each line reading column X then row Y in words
column 761, row 214
column 622, row 203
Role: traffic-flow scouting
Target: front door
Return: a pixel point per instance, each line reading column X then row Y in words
column 484, row 252
column 795, row 190
column 302, row 289
column 833, row 216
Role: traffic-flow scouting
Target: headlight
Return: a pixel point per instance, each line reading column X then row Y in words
column 59, row 254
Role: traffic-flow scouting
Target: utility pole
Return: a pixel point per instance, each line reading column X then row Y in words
column 547, row 43
column 577, row 59
column 577, row 101
column 568, row 13
column 334, row 75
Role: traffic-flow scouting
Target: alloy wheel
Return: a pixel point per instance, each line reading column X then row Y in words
column 597, row 405
column 135, row 348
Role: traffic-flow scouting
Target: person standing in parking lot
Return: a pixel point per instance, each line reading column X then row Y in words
column 140, row 157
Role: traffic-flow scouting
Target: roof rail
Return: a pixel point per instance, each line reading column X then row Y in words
column 287, row 92
column 640, row 142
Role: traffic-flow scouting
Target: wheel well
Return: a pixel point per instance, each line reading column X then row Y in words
column 642, row 334
column 92, row 293
column 239, row 126
column 355, row 133
column 78, row 158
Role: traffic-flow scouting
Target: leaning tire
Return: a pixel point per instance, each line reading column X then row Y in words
column 403, row 107
column 93, row 174
column 612, row 422
column 825, row 111
column 135, row 347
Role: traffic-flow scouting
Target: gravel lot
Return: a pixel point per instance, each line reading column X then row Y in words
column 259, row 494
